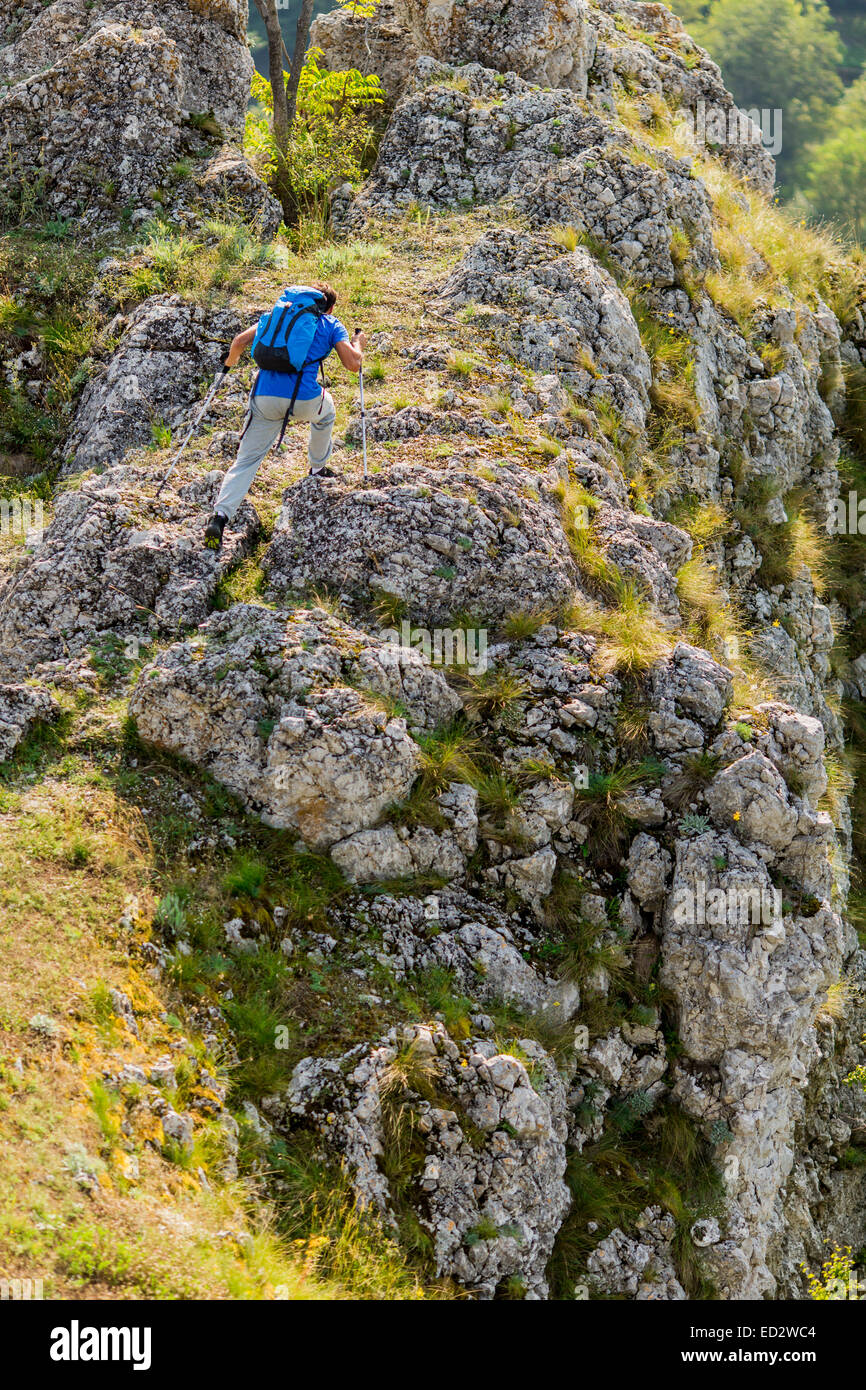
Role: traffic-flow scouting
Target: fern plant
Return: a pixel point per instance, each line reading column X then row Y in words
column 332, row 138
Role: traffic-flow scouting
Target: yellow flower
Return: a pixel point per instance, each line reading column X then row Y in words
column 736, row 815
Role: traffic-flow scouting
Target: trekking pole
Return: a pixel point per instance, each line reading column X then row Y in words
column 363, row 411
column 206, row 404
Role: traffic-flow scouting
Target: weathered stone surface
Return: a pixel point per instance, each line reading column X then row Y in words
column 648, row 869
column 21, row 707
column 116, row 561
column 444, row 541
column 747, row 978
column 750, row 797
column 553, row 45
column 640, row 1266
column 393, row 852
column 557, row 311
column 378, row 43
column 727, row 877
column 511, row 1181
column 72, row 109
column 104, row 91
column 263, row 701
column 168, row 349
column 209, row 37
column 482, row 947
column 588, row 48
column 471, row 136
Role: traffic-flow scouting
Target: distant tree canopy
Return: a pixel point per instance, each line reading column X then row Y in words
column 835, row 174
column 806, row 58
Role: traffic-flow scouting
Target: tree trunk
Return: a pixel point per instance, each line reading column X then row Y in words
column 302, row 37
column 282, row 122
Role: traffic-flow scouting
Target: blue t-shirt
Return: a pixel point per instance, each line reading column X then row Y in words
column 329, row 332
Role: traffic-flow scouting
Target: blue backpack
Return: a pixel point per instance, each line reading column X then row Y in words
column 285, row 334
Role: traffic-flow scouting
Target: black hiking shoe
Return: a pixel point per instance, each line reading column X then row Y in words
column 323, row 473
column 213, row 532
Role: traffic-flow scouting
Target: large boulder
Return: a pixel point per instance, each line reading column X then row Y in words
column 208, row 38
column 471, row 135
column 105, row 93
column 115, row 561
column 751, row 798
column 379, row 43
column 70, row 114
column 553, row 45
column 556, row 311
column 443, row 540
column 597, row 49
column 281, row 709
column 168, row 349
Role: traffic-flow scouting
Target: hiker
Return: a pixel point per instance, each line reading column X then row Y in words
column 299, row 332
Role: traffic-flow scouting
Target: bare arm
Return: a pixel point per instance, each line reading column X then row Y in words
column 238, row 347
column 352, row 354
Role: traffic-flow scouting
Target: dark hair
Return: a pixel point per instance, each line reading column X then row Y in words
column 330, row 295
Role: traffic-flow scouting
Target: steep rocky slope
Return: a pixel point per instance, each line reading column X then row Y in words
column 514, row 851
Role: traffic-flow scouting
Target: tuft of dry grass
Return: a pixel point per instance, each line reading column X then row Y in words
column 632, row 637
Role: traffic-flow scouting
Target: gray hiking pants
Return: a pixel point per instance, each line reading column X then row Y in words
column 261, row 430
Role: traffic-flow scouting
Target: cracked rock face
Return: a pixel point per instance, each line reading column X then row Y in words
column 208, row 36
column 641, row 1266
column 72, row 109
column 442, row 540
column 490, row 1190
column 453, row 929
column 115, row 562
column 551, row 45
column 21, row 708
column 557, row 312
column 729, row 876
column 748, row 977
column 587, row 48
column 105, row 91
column 379, row 44
column 470, row 135
column 262, row 701
column 167, row 349
column 390, row 852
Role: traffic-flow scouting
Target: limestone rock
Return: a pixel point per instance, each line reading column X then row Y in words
column 104, row 91
column 419, row 535
column 551, row 45
column 261, row 700
column 641, row 1266
column 168, row 349
column 115, row 561
column 21, row 707
column 557, row 311
column 510, row 1181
